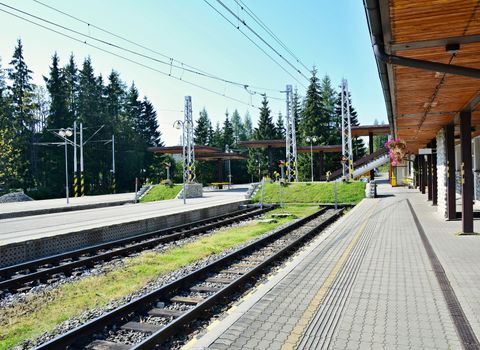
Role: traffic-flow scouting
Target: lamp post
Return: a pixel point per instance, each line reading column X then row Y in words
column 311, row 139
column 64, row 133
column 178, row 124
column 228, row 150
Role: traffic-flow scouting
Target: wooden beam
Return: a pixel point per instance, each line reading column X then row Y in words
column 467, row 174
column 421, row 44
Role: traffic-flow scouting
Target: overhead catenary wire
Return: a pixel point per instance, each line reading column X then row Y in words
column 156, row 52
column 249, row 12
column 262, row 39
column 129, row 59
column 169, row 63
column 256, row 44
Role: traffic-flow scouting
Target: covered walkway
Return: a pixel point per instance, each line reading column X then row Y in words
column 369, row 282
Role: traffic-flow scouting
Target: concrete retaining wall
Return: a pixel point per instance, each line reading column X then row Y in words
column 34, row 249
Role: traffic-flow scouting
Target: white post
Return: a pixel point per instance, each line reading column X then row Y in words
column 311, row 158
column 82, row 179
column 75, row 170
column 66, row 170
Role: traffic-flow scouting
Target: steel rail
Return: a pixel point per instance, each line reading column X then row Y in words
column 144, row 303
column 128, row 246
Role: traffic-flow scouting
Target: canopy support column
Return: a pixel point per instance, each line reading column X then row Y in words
column 429, row 174
column 370, row 146
column 466, row 171
column 424, row 174
column 450, row 145
column 434, row 173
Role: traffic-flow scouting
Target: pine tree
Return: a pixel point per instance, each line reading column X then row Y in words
column 247, row 126
column 148, row 125
column 238, row 128
column 217, row 137
column 227, row 133
column 265, row 129
column 21, row 109
column 203, row 124
column 280, row 127
column 70, row 73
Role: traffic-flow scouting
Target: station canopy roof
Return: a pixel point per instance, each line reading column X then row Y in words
column 201, row 152
column 220, row 156
column 179, row 149
column 318, row 149
column 281, row 144
column 422, row 101
column 365, row 130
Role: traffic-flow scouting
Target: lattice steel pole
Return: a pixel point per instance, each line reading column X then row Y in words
column 346, row 132
column 291, row 140
column 188, row 143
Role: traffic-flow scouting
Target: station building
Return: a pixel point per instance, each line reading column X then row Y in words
column 428, row 58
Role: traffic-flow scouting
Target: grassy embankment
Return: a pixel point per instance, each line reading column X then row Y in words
column 43, row 312
column 316, row 192
column 161, row 192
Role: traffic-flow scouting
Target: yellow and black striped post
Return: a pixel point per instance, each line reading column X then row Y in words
column 114, row 184
column 82, row 185
column 75, row 185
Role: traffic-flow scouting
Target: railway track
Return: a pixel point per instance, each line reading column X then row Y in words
column 152, row 319
column 23, row 276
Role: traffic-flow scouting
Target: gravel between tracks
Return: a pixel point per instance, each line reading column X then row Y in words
column 96, row 312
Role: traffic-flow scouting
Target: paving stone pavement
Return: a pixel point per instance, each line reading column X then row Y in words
column 383, row 296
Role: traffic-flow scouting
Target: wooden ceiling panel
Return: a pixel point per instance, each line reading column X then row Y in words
column 432, row 19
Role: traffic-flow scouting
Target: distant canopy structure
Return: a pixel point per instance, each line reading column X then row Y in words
column 203, row 153
column 271, row 144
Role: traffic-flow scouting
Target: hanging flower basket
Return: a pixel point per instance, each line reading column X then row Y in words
column 396, row 150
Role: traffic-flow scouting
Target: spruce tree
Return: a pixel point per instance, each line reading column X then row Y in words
column 247, row 126
column 217, row 137
column 297, row 111
column 379, row 140
column 21, row 109
column 280, row 127
column 227, row 133
column 238, row 128
column 70, row 73
column 265, row 129
column 203, row 124
column 148, row 125
column 114, row 97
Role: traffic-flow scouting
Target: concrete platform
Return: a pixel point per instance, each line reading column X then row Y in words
column 32, row 237
column 365, row 283
column 58, row 205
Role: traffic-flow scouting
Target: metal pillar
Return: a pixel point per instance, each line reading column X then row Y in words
column 467, row 174
column 424, row 174
column 269, row 163
column 75, row 169
column 188, row 144
column 346, row 131
column 114, row 182
column 434, row 173
column 370, row 147
column 82, row 178
column 451, row 190
column 429, row 175
column 291, row 140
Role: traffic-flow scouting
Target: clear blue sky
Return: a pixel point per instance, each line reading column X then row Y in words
column 332, row 35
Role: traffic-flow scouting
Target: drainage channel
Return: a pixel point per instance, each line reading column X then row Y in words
column 464, row 329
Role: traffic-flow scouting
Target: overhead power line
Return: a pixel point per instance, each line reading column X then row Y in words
column 170, row 63
column 249, row 12
column 128, row 59
column 256, row 44
column 262, row 39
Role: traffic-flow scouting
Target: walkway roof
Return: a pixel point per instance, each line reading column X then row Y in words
column 281, row 144
column 220, row 156
column 179, row 149
column 364, row 130
column 421, row 101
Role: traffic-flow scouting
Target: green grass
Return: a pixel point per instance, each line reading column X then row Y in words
column 42, row 313
column 316, row 192
column 161, row 192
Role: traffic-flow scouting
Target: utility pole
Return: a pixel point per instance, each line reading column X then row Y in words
column 188, row 145
column 291, row 139
column 347, row 152
column 75, row 161
column 114, row 183
column 82, row 179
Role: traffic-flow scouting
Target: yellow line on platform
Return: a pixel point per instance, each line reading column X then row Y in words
column 312, row 307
